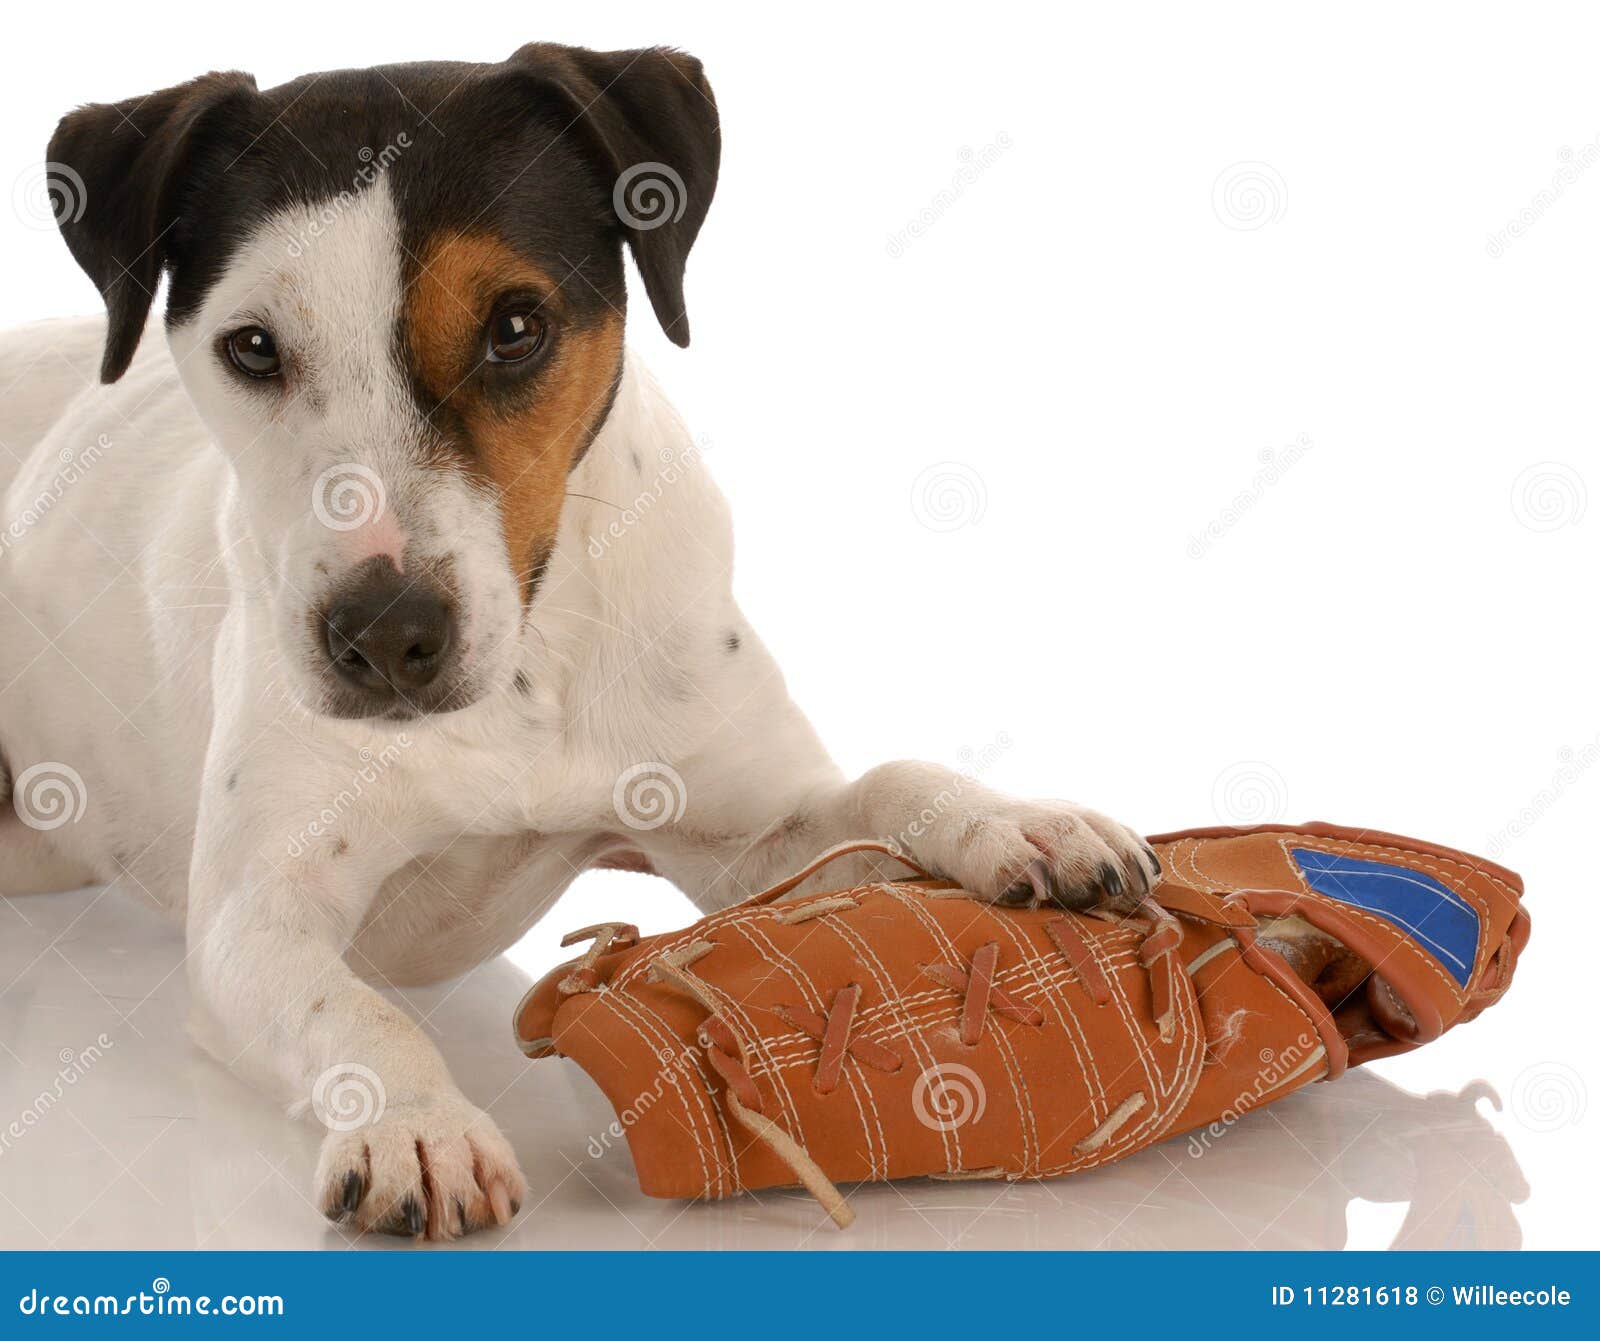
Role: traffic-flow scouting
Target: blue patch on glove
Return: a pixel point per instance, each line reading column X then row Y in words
column 1436, row 917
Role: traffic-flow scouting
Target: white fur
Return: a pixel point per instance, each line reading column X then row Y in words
column 153, row 621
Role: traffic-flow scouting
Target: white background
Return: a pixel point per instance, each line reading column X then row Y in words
column 1207, row 451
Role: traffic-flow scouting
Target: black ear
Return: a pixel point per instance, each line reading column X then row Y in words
column 650, row 120
column 120, row 169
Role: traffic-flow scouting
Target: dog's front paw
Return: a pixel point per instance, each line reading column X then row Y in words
column 1032, row 852
column 437, row 1169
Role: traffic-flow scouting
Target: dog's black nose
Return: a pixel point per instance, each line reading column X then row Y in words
column 390, row 635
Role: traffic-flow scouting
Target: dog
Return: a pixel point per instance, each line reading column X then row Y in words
column 385, row 595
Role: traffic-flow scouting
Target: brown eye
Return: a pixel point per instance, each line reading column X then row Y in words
column 254, row 352
column 514, row 336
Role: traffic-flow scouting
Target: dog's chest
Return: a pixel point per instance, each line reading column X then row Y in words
column 519, row 771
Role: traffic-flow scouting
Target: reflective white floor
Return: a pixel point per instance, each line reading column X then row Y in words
column 151, row 1145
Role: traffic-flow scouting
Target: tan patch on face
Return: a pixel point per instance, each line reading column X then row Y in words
column 524, row 439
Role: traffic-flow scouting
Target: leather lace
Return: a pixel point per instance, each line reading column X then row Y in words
column 840, row 1041
column 834, row 1032
column 980, row 994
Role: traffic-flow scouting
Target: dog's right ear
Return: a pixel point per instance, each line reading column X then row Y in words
column 118, row 180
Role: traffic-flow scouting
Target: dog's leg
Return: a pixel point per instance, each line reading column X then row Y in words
column 762, row 798
column 995, row 845
column 405, row 1152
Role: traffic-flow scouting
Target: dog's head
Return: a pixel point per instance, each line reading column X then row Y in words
column 396, row 300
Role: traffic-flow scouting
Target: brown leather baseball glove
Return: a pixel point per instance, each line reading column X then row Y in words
column 904, row 1028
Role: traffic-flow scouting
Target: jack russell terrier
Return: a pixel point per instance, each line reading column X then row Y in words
column 318, row 626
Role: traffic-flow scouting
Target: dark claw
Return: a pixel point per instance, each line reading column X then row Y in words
column 516, row 1206
column 1077, row 898
column 416, row 1221
column 348, row 1201
column 1033, row 884
column 1155, row 861
column 1111, row 880
column 461, row 1214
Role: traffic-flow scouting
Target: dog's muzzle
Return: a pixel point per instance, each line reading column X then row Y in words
column 391, row 641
